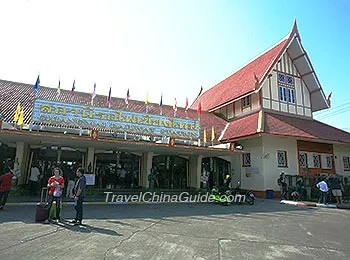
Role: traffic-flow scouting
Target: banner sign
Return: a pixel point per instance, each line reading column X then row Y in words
column 88, row 117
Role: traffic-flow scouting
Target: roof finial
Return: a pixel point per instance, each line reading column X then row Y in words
column 295, row 30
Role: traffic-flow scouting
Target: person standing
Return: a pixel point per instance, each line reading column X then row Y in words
column 5, row 186
column 337, row 189
column 70, row 185
column 79, row 194
column 323, row 187
column 34, row 179
column 55, row 187
column 281, row 181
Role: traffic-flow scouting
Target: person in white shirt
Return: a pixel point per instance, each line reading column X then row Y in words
column 34, row 180
column 323, row 187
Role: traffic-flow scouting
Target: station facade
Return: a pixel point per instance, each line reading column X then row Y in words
column 266, row 106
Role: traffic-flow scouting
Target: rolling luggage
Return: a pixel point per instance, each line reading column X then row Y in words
column 42, row 207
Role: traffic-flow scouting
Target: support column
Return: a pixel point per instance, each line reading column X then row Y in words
column 20, row 162
column 90, row 159
column 195, row 171
column 147, row 158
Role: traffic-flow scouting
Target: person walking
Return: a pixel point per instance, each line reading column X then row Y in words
column 55, row 187
column 79, row 194
column 5, row 186
column 323, row 187
column 337, row 189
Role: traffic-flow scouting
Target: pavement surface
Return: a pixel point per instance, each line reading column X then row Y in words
column 266, row 230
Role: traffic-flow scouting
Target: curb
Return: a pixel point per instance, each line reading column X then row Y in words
column 102, row 203
column 314, row 204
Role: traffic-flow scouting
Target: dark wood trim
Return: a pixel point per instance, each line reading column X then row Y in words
column 308, row 73
column 298, row 57
column 270, row 92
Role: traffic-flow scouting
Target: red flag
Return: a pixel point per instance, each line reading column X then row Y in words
column 199, row 109
column 186, row 106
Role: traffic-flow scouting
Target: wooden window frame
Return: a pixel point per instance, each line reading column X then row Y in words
column 249, row 98
column 243, row 160
column 348, row 158
column 306, row 160
column 286, row 159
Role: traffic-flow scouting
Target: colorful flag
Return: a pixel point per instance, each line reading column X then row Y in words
column 93, row 95
column 161, row 104
column 17, row 113
column 37, row 85
column 109, row 97
column 21, row 117
column 212, row 133
column 205, row 136
column 199, row 109
column 175, row 107
column 146, row 99
column 127, row 97
column 186, row 106
column 73, row 89
column 59, row 88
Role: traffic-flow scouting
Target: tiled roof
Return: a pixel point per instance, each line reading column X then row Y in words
column 242, row 127
column 303, row 128
column 242, row 81
column 12, row 93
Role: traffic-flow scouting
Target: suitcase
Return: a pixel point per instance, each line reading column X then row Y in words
column 42, row 207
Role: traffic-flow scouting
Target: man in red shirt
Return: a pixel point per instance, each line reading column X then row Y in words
column 5, row 186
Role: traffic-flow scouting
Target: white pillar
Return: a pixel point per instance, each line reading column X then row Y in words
column 147, row 159
column 90, row 158
column 20, row 162
column 195, row 171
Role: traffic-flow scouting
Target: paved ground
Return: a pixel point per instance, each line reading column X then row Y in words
column 267, row 230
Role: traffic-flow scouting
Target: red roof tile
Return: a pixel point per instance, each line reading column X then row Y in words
column 242, row 81
column 303, row 128
column 242, row 127
column 12, row 93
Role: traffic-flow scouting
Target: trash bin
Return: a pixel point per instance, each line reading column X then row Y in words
column 269, row 194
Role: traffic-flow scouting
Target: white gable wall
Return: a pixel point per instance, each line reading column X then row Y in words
column 270, row 90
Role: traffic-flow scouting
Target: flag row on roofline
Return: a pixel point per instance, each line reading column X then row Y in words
column 36, row 88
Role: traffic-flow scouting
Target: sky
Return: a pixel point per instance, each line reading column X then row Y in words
column 169, row 47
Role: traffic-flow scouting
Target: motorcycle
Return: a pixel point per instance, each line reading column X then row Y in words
column 240, row 197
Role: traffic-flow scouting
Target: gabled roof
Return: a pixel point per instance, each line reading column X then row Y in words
column 249, row 79
column 241, row 82
column 304, row 128
column 242, row 127
column 285, row 126
column 12, row 93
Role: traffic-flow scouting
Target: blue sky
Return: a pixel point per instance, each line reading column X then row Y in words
column 169, row 47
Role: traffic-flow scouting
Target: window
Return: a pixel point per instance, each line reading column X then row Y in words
column 246, row 160
column 303, row 160
column 346, row 161
column 317, row 163
column 286, row 79
column 289, row 80
column 283, row 94
column 246, row 101
column 291, row 97
column 329, row 162
column 282, row 158
column 281, row 77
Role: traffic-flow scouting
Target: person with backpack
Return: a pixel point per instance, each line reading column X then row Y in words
column 281, row 181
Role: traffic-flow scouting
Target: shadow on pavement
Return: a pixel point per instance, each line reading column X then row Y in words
column 26, row 214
